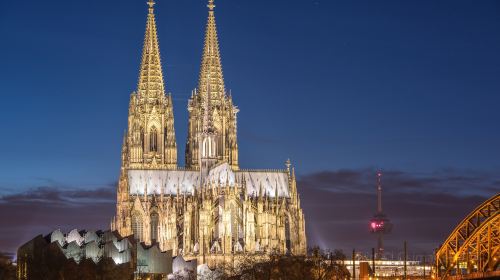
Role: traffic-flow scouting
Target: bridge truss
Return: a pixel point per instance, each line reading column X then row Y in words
column 473, row 249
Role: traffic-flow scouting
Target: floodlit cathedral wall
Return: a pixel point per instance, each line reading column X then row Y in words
column 211, row 209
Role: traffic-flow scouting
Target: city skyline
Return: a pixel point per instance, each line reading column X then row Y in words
column 416, row 132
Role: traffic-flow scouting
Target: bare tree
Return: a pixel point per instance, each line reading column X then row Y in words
column 7, row 269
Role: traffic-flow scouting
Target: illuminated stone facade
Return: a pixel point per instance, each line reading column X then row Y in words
column 210, row 210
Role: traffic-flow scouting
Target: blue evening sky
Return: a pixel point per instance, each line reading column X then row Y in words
column 409, row 85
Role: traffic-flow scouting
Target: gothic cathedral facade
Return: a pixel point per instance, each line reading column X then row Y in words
column 210, row 210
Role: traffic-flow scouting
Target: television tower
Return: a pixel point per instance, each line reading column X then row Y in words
column 380, row 224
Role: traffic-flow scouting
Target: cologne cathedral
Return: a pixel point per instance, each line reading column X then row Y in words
column 211, row 209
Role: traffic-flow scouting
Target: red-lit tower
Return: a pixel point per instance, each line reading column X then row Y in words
column 380, row 224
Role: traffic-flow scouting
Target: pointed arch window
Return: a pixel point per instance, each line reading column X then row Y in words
column 287, row 234
column 165, row 138
column 137, row 226
column 257, row 228
column 142, row 138
column 206, row 148
column 218, row 128
column 153, row 140
column 155, row 221
column 234, row 223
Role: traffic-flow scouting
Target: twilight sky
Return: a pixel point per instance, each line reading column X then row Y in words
column 340, row 87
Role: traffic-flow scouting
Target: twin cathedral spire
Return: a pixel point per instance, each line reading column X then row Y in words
column 150, row 140
column 151, row 83
column 210, row 209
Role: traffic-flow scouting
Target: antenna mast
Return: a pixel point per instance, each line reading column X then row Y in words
column 380, row 224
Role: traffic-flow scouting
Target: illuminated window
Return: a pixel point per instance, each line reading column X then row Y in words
column 137, row 226
column 153, row 140
column 204, row 148
column 208, row 147
column 154, row 226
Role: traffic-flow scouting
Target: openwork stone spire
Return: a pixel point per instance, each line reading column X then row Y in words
column 208, row 122
column 210, row 108
column 210, row 211
column 151, row 134
column 150, row 75
column 211, row 67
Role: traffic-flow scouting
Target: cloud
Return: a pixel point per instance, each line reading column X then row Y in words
column 424, row 208
column 62, row 196
column 43, row 209
column 442, row 181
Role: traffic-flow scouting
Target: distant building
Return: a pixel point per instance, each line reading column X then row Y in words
column 388, row 269
column 88, row 251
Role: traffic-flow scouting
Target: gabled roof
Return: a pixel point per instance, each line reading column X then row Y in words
column 170, row 182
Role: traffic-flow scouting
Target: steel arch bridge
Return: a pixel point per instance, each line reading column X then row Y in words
column 472, row 250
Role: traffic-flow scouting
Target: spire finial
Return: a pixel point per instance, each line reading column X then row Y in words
column 151, row 3
column 211, row 5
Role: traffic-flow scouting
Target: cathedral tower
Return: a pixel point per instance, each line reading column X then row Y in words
column 208, row 138
column 210, row 210
column 223, row 111
column 149, row 142
column 151, row 134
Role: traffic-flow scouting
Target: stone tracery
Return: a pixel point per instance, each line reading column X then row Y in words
column 211, row 209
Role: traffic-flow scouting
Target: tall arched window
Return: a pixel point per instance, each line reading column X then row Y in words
column 204, row 148
column 137, row 226
column 208, row 148
column 153, row 140
column 165, row 136
column 258, row 234
column 287, row 234
column 234, row 223
column 154, row 226
column 218, row 128
column 142, row 138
